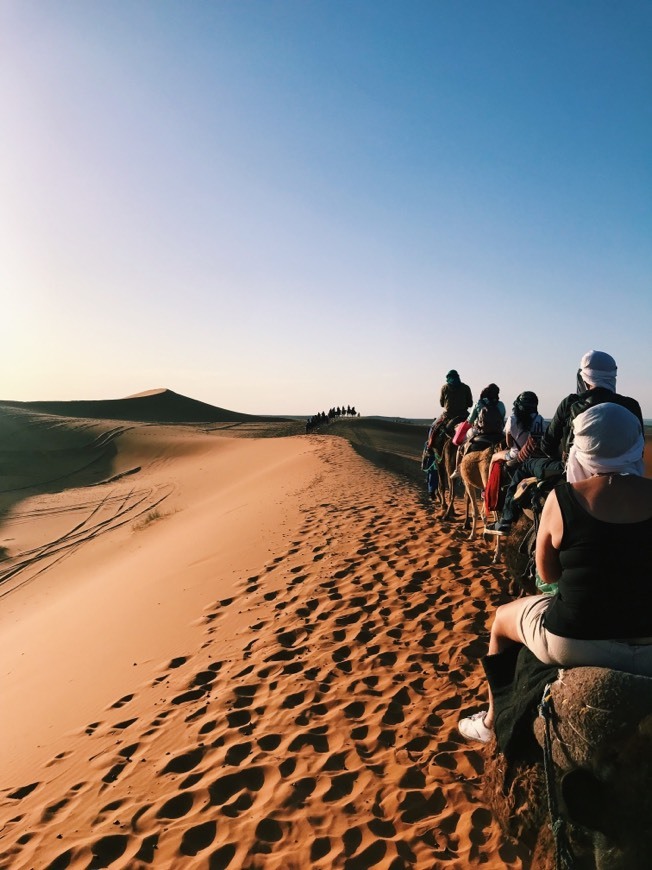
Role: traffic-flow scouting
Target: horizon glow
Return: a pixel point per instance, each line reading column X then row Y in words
column 278, row 208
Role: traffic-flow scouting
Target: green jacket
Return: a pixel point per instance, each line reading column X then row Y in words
column 455, row 400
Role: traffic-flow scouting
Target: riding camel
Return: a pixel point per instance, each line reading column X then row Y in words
column 474, row 471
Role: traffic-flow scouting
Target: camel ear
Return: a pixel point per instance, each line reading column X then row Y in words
column 586, row 799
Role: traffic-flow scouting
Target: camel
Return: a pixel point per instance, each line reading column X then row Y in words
column 599, row 775
column 446, row 462
column 474, row 471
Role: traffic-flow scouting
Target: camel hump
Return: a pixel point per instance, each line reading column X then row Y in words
column 598, row 714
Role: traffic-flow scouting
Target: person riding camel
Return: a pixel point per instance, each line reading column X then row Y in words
column 596, row 383
column 486, row 420
column 595, row 543
column 525, row 425
column 455, row 398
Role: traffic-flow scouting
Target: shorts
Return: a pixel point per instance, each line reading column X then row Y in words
column 568, row 652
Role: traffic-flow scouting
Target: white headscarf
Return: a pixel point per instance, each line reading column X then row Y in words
column 608, row 439
column 599, row 369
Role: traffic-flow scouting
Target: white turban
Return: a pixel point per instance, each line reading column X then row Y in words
column 599, row 369
column 608, row 440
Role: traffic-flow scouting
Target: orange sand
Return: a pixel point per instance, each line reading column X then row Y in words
column 236, row 653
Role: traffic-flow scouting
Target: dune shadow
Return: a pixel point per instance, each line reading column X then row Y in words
column 43, row 454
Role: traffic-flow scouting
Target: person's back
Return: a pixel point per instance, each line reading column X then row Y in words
column 488, row 416
column 596, row 381
column 455, row 397
column 601, row 527
column 487, row 420
column 491, row 419
column 605, row 556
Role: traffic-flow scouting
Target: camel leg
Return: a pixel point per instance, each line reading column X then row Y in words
column 450, row 509
column 443, row 502
column 497, row 551
column 474, row 514
column 470, row 501
column 467, row 507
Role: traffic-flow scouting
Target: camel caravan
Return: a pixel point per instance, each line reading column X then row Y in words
column 569, row 694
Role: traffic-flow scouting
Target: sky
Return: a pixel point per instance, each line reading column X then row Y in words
column 277, row 206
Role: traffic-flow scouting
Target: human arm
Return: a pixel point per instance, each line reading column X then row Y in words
column 473, row 416
column 443, row 395
column 633, row 406
column 551, row 443
column 549, row 537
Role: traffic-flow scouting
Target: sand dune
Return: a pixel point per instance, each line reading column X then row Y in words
column 154, row 406
column 234, row 652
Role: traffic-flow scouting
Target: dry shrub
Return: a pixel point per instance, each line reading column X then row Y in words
column 148, row 519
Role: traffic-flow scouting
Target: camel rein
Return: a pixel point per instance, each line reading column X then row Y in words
column 564, row 858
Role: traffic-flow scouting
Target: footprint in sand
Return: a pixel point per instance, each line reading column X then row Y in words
column 237, row 753
column 107, row 850
column 114, row 772
column 58, row 758
column 50, row 811
column 178, row 661
column 23, row 791
column 176, row 807
column 269, row 830
column 202, row 678
column 127, row 722
column 320, row 847
column 185, row 762
column 222, row 857
column 191, row 780
column 122, row 702
column 196, row 714
column 198, row 838
column 128, row 751
column 227, row 786
column 192, row 695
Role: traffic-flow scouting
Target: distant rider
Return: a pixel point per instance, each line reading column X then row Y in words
column 455, row 398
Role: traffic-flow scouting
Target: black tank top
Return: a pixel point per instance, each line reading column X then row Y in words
column 605, row 589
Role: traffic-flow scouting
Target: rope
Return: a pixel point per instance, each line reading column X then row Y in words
column 564, row 858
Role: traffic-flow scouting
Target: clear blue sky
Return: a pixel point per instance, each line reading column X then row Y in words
column 278, row 206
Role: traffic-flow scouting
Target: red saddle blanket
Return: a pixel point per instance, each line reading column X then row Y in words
column 492, row 489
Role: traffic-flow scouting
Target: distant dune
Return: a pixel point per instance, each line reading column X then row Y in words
column 152, row 406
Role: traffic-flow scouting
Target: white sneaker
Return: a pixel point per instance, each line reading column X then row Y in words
column 473, row 728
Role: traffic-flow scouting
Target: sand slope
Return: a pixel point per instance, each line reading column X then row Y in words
column 268, row 674
column 234, row 652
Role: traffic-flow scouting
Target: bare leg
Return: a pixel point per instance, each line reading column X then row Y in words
column 504, row 633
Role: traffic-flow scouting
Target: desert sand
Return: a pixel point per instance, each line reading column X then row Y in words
column 224, row 649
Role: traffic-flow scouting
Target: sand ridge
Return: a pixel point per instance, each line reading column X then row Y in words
column 305, row 719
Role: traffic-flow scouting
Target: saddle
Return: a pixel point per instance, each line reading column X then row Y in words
column 445, row 430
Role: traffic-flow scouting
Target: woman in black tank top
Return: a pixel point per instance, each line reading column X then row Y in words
column 595, row 542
